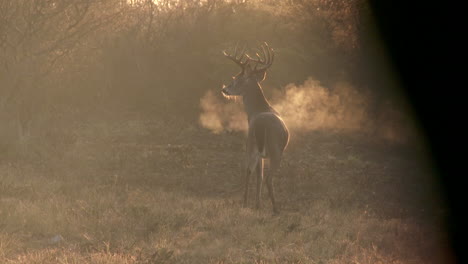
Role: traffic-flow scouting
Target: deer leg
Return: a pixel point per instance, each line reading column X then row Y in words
column 274, row 167
column 251, row 167
column 259, row 171
column 269, row 183
column 246, row 188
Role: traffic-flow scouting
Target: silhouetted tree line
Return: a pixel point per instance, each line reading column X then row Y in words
column 65, row 59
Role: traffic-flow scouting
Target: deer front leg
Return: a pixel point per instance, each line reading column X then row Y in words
column 259, row 171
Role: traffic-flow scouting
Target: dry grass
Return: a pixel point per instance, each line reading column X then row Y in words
column 125, row 192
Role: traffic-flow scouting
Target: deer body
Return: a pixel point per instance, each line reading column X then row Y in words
column 267, row 135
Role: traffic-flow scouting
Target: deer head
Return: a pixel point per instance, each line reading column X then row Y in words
column 253, row 70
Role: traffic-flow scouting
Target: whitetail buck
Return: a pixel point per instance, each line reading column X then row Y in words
column 267, row 136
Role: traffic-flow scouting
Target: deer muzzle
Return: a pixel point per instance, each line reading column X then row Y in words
column 225, row 90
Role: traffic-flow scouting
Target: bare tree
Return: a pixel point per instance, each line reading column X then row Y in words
column 34, row 36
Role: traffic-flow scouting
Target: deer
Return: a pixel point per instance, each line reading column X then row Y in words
column 267, row 135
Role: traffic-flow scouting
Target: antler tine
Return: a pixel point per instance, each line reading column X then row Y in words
column 234, row 58
column 266, row 59
column 242, row 54
column 270, row 61
column 266, row 53
column 241, row 58
column 271, row 55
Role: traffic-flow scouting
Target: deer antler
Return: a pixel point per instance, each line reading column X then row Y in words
column 265, row 60
column 239, row 61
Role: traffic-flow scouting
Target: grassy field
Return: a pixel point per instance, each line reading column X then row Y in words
column 148, row 191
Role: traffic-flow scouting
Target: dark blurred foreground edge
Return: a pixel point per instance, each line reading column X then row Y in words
column 420, row 39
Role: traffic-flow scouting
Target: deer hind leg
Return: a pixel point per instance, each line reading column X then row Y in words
column 251, row 166
column 274, row 168
column 259, row 171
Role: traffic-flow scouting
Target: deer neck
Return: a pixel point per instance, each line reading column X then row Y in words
column 255, row 102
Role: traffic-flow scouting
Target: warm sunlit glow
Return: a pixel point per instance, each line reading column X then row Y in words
column 117, row 145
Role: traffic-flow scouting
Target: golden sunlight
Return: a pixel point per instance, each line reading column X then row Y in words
column 127, row 136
